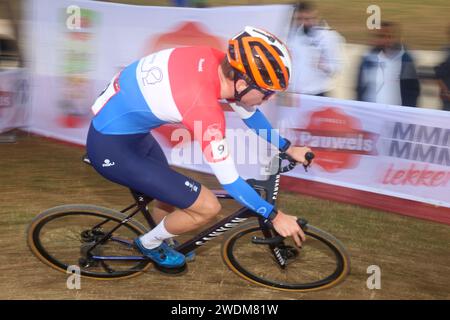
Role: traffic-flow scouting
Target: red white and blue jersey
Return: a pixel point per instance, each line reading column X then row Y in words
column 180, row 85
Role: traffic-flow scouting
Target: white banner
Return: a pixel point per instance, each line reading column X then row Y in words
column 13, row 99
column 77, row 46
column 392, row 150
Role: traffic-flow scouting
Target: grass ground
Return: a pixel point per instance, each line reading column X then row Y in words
column 37, row 174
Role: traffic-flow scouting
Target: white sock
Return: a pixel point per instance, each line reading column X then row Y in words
column 156, row 236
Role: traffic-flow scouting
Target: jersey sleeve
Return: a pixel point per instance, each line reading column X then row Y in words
column 208, row 128
column 257, row 121
column 207, row 124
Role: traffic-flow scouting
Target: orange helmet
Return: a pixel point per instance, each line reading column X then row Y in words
column 262, row 57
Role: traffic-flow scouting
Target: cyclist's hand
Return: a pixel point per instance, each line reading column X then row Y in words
column 298, row 153
column 287, row 226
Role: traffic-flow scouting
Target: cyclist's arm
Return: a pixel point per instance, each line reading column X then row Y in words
column 238, row 188
column 215, row 150
column 257, row 121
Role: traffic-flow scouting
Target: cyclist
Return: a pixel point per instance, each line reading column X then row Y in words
column 184, row 85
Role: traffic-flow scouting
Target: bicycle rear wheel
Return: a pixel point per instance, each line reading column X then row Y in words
column 321, row 263
column 62, row 236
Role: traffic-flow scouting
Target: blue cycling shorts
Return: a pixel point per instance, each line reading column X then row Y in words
column 138, row 162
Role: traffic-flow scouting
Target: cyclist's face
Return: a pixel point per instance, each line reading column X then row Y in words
column 254, row 97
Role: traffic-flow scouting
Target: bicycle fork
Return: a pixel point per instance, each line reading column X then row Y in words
column 276, row 243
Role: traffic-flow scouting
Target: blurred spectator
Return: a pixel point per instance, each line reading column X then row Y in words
column 9, row 53
column 387, row 73
column 442, row 72
column 316, row 51
column 180, row 3
column 190, row 3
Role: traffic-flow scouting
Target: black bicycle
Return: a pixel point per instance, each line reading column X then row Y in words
column 100, row 241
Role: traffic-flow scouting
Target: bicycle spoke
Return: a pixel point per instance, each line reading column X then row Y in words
column 73, row 238
column 315, row 264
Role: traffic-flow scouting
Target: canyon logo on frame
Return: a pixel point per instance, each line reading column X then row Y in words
column 337, row 139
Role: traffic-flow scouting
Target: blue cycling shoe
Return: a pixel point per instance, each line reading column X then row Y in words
column 190, row 256
column 166, row 259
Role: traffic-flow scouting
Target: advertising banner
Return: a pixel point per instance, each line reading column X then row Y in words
column 14, row 98
column 393, row 150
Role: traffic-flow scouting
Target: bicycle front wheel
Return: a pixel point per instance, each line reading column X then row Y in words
column 65, row 236
column 321, row 263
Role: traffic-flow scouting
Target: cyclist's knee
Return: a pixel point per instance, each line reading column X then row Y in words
column 212, row 208
column 206, row 207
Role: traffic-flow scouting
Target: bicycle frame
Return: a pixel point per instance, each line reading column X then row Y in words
column 269, row 187
column 197, row 241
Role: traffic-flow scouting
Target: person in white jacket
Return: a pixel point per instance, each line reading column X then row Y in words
column 316, row 52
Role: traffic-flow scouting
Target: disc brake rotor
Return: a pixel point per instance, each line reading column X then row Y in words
column 89, row 238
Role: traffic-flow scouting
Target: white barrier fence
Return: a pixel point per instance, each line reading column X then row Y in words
column 13, row 99
column 392, row 150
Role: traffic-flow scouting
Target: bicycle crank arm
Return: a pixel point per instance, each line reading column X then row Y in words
column 119, row 258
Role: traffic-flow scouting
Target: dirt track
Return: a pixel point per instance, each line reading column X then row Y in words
column 37, row 174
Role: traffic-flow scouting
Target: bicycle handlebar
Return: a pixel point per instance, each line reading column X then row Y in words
column 278, row 239
column 309, row 156
column 271, row 185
